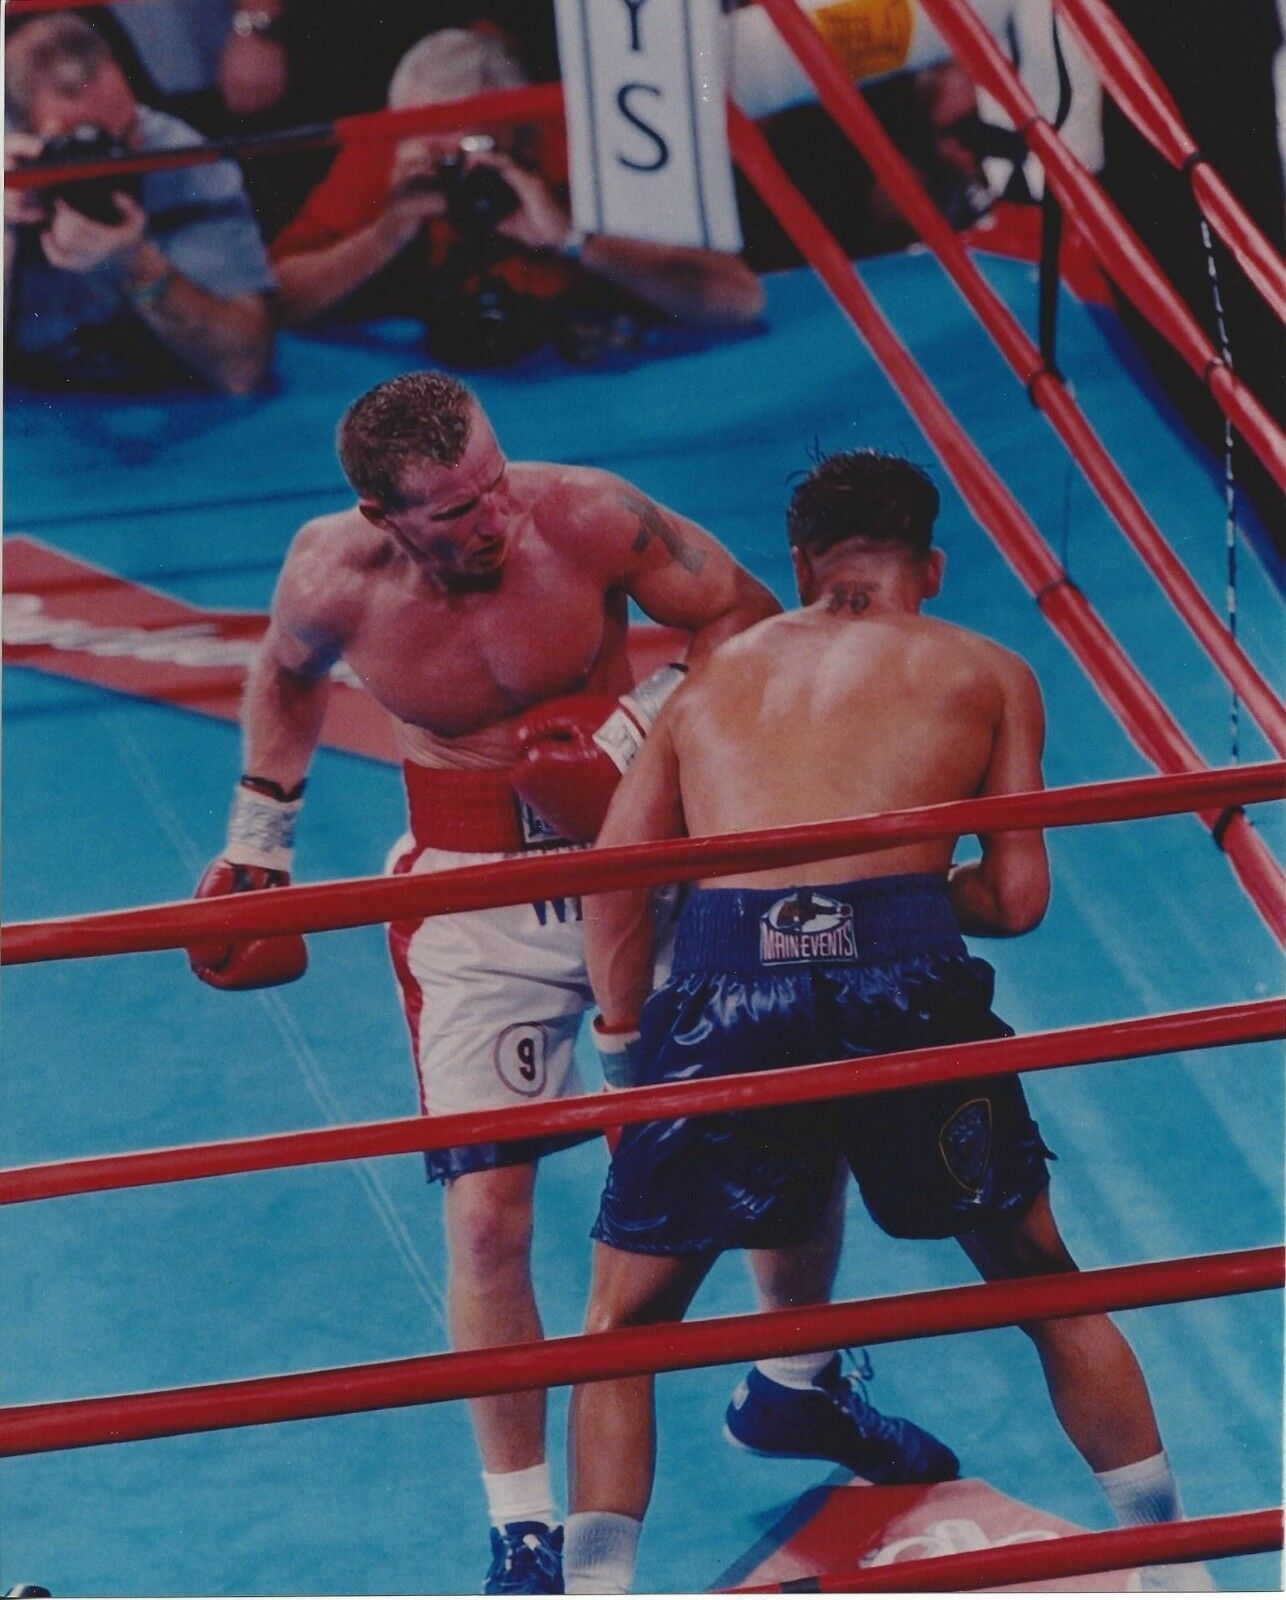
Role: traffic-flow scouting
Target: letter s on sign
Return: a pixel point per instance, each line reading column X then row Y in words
column 662, row 155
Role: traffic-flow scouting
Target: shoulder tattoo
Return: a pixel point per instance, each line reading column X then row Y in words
column 658, row 535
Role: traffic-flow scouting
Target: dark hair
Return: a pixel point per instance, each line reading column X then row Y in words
column 63, row 51
column 862, row 494
column 421, row 416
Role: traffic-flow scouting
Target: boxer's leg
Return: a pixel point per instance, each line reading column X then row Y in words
column 1095, row 1382
column 490, row 1301
column 612, row 1424
column 803, row 1275
column 1097, row 1387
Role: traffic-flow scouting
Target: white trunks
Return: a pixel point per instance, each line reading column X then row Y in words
column 493, row 998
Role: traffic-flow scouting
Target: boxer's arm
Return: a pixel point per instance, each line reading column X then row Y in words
column 282, row 713
column 287, row 687
column 681, row 577
column 618, row 926
column 283, row 710
column 1007, row 891
column 678, row 573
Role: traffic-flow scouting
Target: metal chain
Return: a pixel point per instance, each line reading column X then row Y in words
column 1229, row 479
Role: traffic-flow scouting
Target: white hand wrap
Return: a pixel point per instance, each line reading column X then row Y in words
column 621, row 736
column 261, row 830
column 617, row 1055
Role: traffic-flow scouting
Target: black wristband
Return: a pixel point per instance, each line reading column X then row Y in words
column 273, row 790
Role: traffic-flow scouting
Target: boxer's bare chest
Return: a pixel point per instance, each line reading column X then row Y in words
column 455, row 664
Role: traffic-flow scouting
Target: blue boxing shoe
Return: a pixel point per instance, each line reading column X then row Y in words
column 526, row 1558
column 834, row 1421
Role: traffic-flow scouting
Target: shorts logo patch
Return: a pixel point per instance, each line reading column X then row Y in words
column 806, row 927
column 520, row 1058
column 965, row 1143
column 536, row 832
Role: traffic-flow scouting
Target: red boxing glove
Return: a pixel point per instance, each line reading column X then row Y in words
column 246, row 963
column 257, row 856
column 575, row 751
column 563, row 775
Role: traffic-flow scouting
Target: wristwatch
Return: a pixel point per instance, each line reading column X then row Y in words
column 257, row 24
column 573, row 244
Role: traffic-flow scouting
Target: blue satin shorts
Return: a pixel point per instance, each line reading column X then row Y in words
column 784, row 977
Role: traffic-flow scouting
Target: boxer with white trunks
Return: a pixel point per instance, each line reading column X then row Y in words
column 485, row 605
column 494, row 999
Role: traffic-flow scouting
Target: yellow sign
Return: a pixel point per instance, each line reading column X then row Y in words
column 867, row 37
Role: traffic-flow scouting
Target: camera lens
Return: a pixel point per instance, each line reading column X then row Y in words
column 478, row 199
column 91, row 197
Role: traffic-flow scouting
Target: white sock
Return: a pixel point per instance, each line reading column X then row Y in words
column 524, row 1496
column 795, row 1372
column 600, row 1552
column 1144, row 1491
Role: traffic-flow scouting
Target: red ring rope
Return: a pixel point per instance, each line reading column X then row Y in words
column 497, row 108
column 1119, row 249
column 1109, row 234
column 850, row 111
column 1132, row 82
column 1064, row 1295
column 1200, row 1539
column 314, row 907
column 1127, row 693
column 627, row 1352
column 23, row 8
column 1250, row 1022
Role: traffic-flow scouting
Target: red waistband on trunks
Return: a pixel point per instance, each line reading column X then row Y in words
column 454, row 809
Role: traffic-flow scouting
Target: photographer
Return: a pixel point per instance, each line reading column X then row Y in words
column 505, row 269
column 129, row 284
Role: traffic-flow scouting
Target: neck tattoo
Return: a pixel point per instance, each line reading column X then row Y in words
column 851, row 597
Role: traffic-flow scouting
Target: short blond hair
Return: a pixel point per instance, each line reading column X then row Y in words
column 417, row 417
column 453, row 64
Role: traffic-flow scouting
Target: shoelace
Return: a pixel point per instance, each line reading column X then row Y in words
column 527, row 1547
column 528, row 1552
column 862, row 1374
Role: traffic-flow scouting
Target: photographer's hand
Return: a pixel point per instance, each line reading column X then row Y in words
column 689, row 284
column 540, row 222
column 414, row 196
column 227, row 340
column 22, row 206
column 77, row 243
column 313, row 279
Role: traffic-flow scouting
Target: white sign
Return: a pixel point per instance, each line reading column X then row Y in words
column 646, row 120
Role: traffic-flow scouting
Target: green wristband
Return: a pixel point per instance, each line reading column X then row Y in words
column 153, row 292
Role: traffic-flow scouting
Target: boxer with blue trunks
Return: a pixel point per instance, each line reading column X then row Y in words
column 766, row 978
column 853, row 705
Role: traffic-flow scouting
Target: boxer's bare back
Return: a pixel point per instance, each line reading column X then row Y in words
column 854, row 705
column 854, row 750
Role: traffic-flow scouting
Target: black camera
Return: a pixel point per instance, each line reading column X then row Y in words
column 478, row 198
column 474, row 319
column 91, row 197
